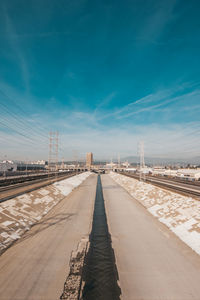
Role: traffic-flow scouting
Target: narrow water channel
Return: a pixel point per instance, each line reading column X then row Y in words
column 100, row 271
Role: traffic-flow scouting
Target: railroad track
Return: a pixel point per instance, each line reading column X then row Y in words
column 11, row 191
column 12, row 180
column 17, row 185
column 26, row 183
column 168, row 185
column 178, row 181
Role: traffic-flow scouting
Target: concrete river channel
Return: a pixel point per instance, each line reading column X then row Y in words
column 100, row 271
column 98, row 242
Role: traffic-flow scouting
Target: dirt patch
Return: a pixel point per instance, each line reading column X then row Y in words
column 72, row 286
column 93, row 272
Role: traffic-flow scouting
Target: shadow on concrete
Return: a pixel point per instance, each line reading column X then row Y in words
column 100, row 272
column 44, row 224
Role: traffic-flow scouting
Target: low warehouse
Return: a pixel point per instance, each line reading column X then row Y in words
column 189, row 174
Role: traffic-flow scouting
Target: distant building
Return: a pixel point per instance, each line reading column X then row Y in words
column 39, row 162
column 170, row 173
column 158, row 171
column 131, row 170
column 89, row 159
column 145, row 170
column 8, row 165
column 31, row 166
column 126, row 164
column 189, row 174
column 110, row 165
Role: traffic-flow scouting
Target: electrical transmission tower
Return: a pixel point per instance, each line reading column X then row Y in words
column 142, row 164
column 118, row 160
column 53, row 151
column 62, row 165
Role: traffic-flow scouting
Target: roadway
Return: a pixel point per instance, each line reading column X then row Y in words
column 37, row 265
column 152, row 262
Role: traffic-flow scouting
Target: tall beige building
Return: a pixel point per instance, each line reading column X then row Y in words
column 89, row 159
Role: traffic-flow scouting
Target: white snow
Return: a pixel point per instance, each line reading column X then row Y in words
column 179, row 213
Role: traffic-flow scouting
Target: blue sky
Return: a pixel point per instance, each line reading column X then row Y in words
column 105, row 74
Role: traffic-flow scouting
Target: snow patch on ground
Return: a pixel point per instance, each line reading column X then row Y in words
column 18, row 214
column 181, row 214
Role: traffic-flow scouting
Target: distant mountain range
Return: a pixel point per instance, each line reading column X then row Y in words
column 161, row 161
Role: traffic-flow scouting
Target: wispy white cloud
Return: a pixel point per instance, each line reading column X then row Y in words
column 104, row 102
column 18, row 55
column 89, row 131
column 170, row 141
column 13, row 35
column 125, row 108
column 152, row 102
column 160, row 16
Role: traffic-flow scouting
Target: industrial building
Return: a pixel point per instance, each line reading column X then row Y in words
column 89, row 159
column 8, row 165
column 145, row 170
column 189, row 174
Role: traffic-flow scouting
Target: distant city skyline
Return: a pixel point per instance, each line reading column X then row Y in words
column 105, row 74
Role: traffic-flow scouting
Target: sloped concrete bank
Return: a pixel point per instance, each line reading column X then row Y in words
column 20, row 213
column 179, row 213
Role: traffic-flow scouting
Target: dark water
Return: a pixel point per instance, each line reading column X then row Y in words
column 100, row 271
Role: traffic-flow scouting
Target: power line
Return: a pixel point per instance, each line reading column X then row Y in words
column 53, row 151
column 28, row 124
column 20, row 122
column 142, row 164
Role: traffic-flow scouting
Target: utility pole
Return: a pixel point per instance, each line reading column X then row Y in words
column 118, row 160
column 62, row 166
column 26, row 166
column 142, row 164
column 5, row 156
column 53, row 152
column 75, row 157
column 118, row 165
